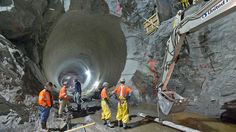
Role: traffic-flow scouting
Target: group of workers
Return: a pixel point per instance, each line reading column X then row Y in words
column 45, row 100
column 64, row 98
column 122, row 94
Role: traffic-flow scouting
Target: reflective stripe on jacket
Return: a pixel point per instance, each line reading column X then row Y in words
column 123, row 91
column 45, row 98
column 63, row 93
column 104, row 94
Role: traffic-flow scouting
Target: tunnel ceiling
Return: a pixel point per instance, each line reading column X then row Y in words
column 90, row 48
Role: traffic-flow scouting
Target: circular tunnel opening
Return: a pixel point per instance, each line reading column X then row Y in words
column 90, row 48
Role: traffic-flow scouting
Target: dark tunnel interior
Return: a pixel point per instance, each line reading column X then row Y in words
column 90, row 48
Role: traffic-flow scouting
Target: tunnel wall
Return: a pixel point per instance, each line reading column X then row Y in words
column 80, row 41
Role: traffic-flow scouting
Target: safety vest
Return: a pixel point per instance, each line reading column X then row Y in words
column 122, row 91
column 104, row 94
column 45, row 98
column 63, row 93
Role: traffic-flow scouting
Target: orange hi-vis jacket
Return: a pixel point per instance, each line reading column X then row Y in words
column 104, row 94
column 45, row 98
column 63, row 93
column 123, row 91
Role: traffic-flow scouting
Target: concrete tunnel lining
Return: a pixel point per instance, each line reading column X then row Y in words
column 82, row 42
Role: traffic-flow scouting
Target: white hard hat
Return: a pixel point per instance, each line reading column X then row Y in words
column 105, row 84
column 122, row 80
column 65, row 83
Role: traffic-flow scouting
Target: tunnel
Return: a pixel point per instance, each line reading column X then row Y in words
column 90, row 48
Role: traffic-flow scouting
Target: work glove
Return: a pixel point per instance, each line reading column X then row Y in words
column 127, row 98
column 116, row 97
column 110, row 104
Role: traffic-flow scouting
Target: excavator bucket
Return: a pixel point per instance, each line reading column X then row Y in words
column 173, row 104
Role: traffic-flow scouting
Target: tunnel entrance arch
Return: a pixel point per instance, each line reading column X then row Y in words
column 80, row 43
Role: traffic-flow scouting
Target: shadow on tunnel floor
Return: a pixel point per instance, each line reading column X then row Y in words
column 139, row 123
column 55, row 129
column 134, row 124
column 84, row 112
column 72, row 114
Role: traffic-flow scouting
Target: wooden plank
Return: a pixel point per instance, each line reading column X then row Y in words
column 75, row 129
column 169, row 124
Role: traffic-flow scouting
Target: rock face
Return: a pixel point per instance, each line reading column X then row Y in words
column 15, row 97
column 205, row 75
column 26, row 24
column 22, row 19
column 167, row 8
column 208, row 72
column 140, row 47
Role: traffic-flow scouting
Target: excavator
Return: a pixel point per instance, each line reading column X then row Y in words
column 170, row 101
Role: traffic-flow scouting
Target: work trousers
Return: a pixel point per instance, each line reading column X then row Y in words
column 77, row 100
column 44, row 113
column 123, row 111
column 106, row 112
column 62, row 105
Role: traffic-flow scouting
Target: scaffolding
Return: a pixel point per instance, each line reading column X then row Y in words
column 151, row 24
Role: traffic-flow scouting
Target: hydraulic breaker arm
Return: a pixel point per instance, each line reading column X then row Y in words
column 212, row 11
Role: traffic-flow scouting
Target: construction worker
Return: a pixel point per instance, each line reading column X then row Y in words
column 45, row 102
column 106, row 112
column 185, row 3
column 123, row 93
column 63, row 98
column 77, row 94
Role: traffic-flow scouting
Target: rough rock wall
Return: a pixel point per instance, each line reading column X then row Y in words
column 26, row 23
column 208, row 73
column 167, row 8
column 22, row 19
column 205, row 75
column 89, row 6
column 15, row 97
column 141, row 46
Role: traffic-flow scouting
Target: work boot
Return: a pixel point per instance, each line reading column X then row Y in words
column 78, row 107
column 119, row 124
column 109, row 124
column 43, row 125
column 60, row 116
column 105, row 122
column 125, row 126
